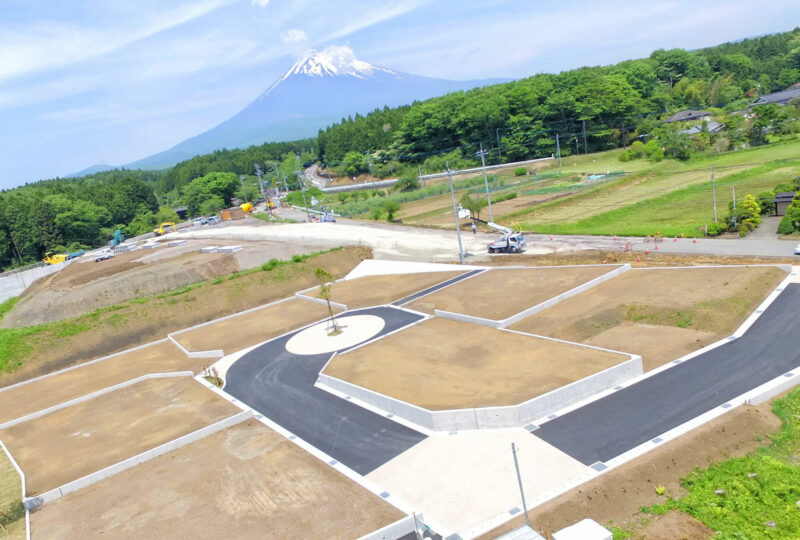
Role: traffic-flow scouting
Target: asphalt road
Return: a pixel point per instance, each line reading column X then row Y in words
column 280, row 385
column 438, row 286
column 621, row 421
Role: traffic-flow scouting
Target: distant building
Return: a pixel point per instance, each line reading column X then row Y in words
column 782, row 201
column 685, row 116
column 713, row 127
column 778, row 98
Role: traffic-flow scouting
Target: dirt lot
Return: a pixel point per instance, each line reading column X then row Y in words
column 159, row 358
column 443, row 364
column 244, row 482
column 136, row 323
column 235, row 334
column 12, row 514
column 73, row 442
column 378, row 290
column 438, row 211
column 617, row 495
column 710, row 303
column 500, row 294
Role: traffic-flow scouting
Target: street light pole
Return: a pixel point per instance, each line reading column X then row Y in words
column 300, row 179
column 241, row 179
column 519, row 480
column 713, row 194
column 482, row 154
column 455, row 213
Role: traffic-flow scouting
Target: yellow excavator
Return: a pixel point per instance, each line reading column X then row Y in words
column 164, row 228
column 55, row 258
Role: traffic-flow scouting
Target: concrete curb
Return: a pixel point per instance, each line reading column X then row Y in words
column 22, row 483
column 337, row 305
column 84, row 364
column 216, row 353
column 87, row 397
column 32, row 503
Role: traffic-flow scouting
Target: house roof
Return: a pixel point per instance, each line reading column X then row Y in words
column 689, row 114
column 785, row 196
column 778, row 98
column 713, row 127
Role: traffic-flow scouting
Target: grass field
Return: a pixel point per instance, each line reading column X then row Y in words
column 671, row 197
column 754, row 496
column 12, row 513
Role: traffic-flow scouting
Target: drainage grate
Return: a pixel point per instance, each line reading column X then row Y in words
column 657, row 440
column 726, row 405
column 514, row 511
column 531, row 427
column 598, row 466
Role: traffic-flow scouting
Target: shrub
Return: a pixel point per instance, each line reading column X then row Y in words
column 391, row 208
column 406, row 183
column 715, row 229
column 654, row 151
column 786, row 226
column 520, row 171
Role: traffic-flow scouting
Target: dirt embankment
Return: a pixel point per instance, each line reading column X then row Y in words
column 142, row 321
column 85, row 285
column 616, row 496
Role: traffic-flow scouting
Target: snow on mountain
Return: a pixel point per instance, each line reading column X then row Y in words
column 318, row 90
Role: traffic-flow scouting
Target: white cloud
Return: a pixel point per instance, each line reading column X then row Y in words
column 294, row 35
column 48, row 44
column 259, row 3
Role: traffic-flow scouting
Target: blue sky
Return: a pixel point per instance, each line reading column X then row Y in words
column 111, row 81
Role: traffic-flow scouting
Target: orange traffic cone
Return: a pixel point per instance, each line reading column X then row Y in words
column 647, row 252
column 694, row 240
column 682, row 236
column 638, row 259
column 656, row 248
column 675, row 239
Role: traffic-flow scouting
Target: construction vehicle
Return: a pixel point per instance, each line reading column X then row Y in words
column 118, row 238
column 55, row 258
column 511, row 242
column 163, row 228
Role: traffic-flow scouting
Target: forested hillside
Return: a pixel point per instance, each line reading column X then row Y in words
column 583, row 110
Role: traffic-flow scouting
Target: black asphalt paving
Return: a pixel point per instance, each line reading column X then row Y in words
column 435, row 288
column 280, row 385
column 629, row 417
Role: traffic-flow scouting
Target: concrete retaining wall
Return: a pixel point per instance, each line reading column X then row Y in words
column 87, row 397
column 35, row 502
column 215, row 353
column 563, row 296
column 490, row 417
column 466, row 318
column 14, row 283
column 316, row 300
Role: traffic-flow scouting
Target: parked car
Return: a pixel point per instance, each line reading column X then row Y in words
column 797, row 249
column 213, row 220
column 105, row 254
column 200, row 221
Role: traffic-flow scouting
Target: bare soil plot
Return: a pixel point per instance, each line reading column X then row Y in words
column 159, row 358
column 621, row 313
column 243, row 482
column 499, row 294
column 438, row 211
column 238, row 333
column 12, row 513
column 443, row 364
column 616, row 496
column 73, row 442
column 379, row 290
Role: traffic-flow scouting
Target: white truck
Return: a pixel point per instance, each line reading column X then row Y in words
column 510, row 242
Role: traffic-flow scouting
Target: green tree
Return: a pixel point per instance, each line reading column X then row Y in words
column 473, row 204
column 391, row 208
column 325, row 283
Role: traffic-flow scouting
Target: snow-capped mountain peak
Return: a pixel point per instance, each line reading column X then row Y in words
column 332, row 61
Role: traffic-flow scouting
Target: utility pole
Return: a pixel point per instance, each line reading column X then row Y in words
column 558, row 151
column 482, row 155
column 299, row 174
column 260, row 174
column 577, row 151
column 241, row 179
column 455, row 213
column 500, row 154
column 583, row 130
column 369, row 162
column 713, row 194
column 421, row 180
column 519, row 480
column 285, row 185
column 733, row 189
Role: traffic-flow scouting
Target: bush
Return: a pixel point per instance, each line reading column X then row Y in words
column 715, row 229
column 391, row 208
column 654, row 151
column 786, row 226
column 406, row 183
column 765, row 202
column 520, row 171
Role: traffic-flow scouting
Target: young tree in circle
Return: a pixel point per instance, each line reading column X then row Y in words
column 325, row 281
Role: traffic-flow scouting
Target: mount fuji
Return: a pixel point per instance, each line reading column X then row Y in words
column 318, row 90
